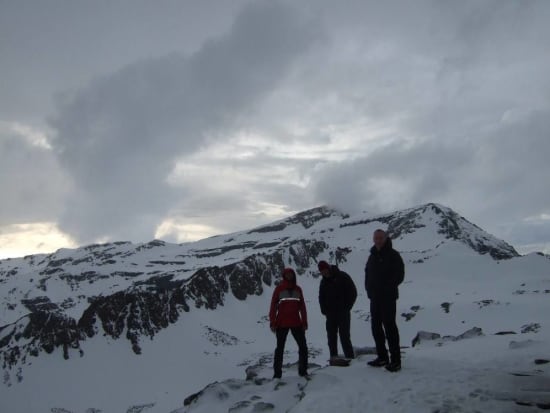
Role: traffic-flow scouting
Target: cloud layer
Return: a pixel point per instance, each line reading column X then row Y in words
column 119, row 137
column 360, row 105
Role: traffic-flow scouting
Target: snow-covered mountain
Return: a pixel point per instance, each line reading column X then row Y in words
column 139, row 328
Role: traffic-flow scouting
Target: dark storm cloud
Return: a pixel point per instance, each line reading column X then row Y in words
column 464, row 87
column 118, row 138
column 500, row 178
column 393, row 176
column 53, row 46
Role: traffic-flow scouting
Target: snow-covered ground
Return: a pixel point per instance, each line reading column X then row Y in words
column 450, row 288
column 481, row 374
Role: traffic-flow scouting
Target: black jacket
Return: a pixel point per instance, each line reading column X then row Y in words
column 337, row 293
column 384, row 272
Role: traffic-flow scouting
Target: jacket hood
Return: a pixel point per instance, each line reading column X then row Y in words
column 288, row 284
column 334, row 270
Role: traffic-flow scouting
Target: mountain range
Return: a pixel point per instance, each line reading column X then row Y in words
column 123, row 327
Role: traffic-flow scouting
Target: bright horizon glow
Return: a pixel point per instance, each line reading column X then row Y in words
column 19, row 240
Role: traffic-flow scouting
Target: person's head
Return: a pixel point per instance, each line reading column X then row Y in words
column 324, row 268
column 289, row 274
column 379, row 238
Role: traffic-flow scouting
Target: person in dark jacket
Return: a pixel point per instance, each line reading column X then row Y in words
column 288, row 313
column 383, row 274
column 337, row 295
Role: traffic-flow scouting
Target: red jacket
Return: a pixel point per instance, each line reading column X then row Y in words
column 288, row 308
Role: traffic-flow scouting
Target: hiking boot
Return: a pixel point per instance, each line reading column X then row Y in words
column 394, row 366
column 378, row 362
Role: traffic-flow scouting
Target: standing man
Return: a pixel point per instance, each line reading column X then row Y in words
column 337, row 294
column 288, row 313
column 383, row 274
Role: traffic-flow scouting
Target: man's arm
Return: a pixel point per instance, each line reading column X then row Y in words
column 351, row 291
column 322, row 299
column 366, row 274
column 399, row 268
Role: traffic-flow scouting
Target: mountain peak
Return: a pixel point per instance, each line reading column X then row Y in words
column 454, row 226
column 442, row 221
column 305, row 218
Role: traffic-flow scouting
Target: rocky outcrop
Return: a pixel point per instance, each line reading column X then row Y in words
column 449, row 224
column 426, row 336
column 456, row 227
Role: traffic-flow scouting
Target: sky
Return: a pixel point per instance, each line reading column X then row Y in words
column 133, row 120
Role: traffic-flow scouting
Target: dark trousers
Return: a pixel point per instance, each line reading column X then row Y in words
column 339, row 324
column 300, row 336
column 384, row 326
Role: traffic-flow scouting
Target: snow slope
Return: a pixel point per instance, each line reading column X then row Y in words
column 123, row 327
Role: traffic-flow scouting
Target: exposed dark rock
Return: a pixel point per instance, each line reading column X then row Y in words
column 127, row 274
column 50, row 271
column 485, row 303
column 304, row 253
column 240, row 406
column 36, row 332
column 471, row 333
column 214, row 252
column 542, row 361
column 59, row 262
column 307, row 219
column 160, row 262
column 220, row 338
column 541, row 406
column 451, row 225
column 88, row 258
column 41, row 303
column 446, row 307
column 422, row 336
column 266, row 245
column 152, row 244
column 530, row 328
column 408, row 316
column 263, row 407
column 310, row 217
column 339, row 256
column 140, row 408
column 192, row 398
column 269, row 228
column 252, row 372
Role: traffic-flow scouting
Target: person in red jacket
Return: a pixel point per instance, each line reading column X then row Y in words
column 288, row 313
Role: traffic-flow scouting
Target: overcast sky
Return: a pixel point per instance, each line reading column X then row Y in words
column 134, row 120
